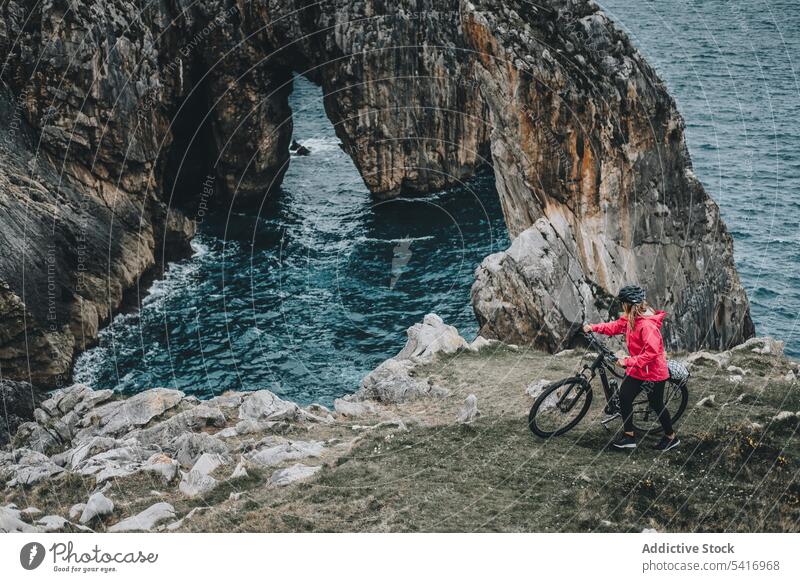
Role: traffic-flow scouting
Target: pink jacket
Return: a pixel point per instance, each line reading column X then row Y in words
column 647, row 360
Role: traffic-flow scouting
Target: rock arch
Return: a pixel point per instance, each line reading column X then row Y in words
column 586, row 144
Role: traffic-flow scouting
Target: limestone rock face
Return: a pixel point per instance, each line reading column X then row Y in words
column 110, row 113
column 17, row 402
column 592, row 168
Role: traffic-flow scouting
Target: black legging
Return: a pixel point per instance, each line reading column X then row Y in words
column 630, row 388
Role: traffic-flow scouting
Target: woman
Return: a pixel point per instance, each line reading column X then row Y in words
column 645, row 368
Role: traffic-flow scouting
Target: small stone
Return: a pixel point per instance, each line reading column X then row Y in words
column 285, row 452
column 470, row 410
column 76, row 510
column 239, row 471
column 708, row 402
column 649, row 530
column 535, row 388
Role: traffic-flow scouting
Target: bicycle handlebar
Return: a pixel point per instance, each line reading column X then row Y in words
column 603, row 349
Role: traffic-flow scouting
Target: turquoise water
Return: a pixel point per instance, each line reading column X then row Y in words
column 732, row 68
column 308, row 297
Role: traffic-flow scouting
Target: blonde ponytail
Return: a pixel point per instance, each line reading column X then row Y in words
column 634, row 311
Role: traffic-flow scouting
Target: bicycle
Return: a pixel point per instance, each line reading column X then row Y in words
column 559, row 399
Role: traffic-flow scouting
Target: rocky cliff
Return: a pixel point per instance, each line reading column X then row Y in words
column 115, row 112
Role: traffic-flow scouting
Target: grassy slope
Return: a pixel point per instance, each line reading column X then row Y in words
column 496, row 476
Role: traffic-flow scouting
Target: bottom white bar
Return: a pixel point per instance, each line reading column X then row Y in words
column 355, row 557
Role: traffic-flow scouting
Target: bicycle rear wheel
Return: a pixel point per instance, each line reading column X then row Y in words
column 560, row 407
column 645, row 419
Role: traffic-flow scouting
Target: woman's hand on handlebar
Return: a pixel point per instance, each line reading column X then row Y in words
column 587, row 328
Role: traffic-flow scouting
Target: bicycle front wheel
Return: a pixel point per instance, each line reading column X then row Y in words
column 560, row 407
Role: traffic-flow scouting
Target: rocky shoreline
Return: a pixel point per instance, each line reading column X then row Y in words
column 95, row 461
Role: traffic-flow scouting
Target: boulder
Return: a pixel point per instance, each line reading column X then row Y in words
column 177, row 524
column 535, row 388
column 198, row 481
column 391, row 382
column 708, row 402
column 194, row 419
column 98, row 506
column 121, row 416
column 288, row 451
column 146, row 520
column 33, row 436
column 480, row 343
column 346, row 407
column 227, row 400
column 76, row 456
column 29, row 467
column 785, row 416
column 120, row 461
column 76, row 510
column 263, row 405
column 190, row 446
column 10, row 521
column 195, row 483
column 162, row 465
column 703, row 358
column 761, row 345
column 50, row 523
column 297, row 472
column 431, row 337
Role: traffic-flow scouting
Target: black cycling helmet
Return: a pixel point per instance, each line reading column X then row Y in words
column 632, row 294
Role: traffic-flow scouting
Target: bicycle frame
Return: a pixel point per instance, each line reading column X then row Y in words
column 580, row 384
column 600, row 367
